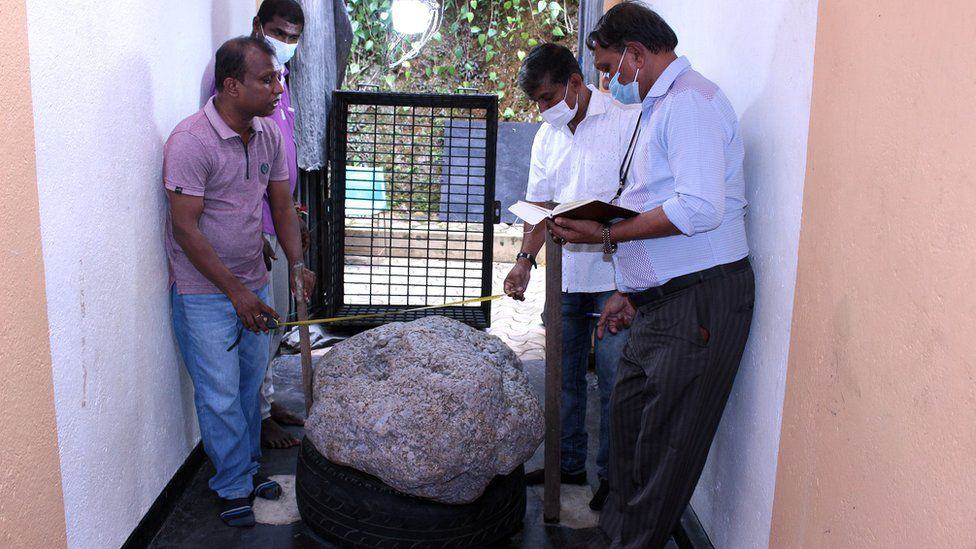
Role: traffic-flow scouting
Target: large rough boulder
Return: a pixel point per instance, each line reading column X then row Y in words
column 433, row 407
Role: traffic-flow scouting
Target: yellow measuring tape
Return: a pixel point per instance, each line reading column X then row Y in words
column 394, row 312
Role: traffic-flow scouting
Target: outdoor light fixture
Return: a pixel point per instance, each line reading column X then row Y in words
column 412, row 18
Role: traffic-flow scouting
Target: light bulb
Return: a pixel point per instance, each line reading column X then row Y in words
column 411, row 16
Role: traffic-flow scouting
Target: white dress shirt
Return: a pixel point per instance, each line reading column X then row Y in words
column 688, row 161
column 568, row 166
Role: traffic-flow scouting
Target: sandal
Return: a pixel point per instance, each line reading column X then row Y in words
column 265, row 488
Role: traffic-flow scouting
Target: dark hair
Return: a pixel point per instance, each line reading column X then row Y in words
column 231, row 61
column 550, row 63
column 289, row 10
column 632, row 22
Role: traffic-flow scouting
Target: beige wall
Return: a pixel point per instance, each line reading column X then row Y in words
column 879, row 430
column 31, row 509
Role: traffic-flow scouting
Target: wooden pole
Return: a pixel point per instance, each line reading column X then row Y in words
column 554, row 368
column 304, row 343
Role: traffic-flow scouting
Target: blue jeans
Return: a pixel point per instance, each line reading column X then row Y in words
column 226, row 385
column 578, row 331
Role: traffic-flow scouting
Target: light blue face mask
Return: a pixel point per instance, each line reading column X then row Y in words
column 627, row 94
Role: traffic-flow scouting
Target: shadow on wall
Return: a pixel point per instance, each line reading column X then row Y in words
column 129, row 321
column 152, row 138
column 222, row 28
column 742, row 464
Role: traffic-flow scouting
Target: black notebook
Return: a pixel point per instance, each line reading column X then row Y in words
column 590, row 210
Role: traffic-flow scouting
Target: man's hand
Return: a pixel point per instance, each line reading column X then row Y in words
column 268, row 252
column 518, row 280
column 251, row 310
column 618, row 313
column 302, row 281
column 576, row 231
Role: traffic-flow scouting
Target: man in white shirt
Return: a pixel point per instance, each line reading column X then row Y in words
column 683, row 274
column 576, row 155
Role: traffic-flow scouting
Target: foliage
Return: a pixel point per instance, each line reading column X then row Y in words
column 480, row 45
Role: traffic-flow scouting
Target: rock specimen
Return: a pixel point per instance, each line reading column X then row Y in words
column 433, row 407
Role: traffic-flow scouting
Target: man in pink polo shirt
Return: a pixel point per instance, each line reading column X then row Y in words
column 218, row 165
column 280, row 23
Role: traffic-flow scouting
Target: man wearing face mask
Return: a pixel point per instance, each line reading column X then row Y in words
column 575, row 156
column 280, row 24
column 683, row 263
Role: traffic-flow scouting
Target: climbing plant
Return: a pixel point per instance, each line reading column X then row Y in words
column 480, row 45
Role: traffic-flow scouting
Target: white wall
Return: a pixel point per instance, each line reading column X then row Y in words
column 760, row 52
column 110, row 80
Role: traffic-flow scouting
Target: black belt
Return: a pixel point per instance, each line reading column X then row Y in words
column 683, row 282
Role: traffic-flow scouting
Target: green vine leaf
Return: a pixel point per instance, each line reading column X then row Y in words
column 504, row 29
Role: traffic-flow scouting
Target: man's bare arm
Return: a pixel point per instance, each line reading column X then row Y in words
column 285, row 220
column 185, row 212
column 534, row 236
column 652, row 224
column 286, row 224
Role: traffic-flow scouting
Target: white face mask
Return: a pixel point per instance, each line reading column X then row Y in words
column 559, row 115
column 283, row 52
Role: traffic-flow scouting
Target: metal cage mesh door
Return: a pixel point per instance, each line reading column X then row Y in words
column 412, row 205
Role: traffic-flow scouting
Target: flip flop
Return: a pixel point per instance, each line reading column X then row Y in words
column 266, row 488
column 236, row 512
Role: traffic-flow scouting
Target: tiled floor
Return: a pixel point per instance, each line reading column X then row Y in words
column 194, row 524
column 519, row 323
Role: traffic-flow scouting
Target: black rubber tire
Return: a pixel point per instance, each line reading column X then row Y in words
column 352, row 509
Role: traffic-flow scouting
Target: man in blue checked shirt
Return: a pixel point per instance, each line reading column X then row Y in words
column 685, row 285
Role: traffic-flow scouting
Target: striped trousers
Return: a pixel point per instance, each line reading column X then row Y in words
column 673, row 380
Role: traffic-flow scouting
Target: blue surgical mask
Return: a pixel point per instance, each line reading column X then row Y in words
column 627, row 94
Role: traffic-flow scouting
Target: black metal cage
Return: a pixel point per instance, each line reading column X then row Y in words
column 410, row 206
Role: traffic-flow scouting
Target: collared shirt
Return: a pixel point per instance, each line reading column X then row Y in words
column 205, row 157
column 569, row 166
column 284, row 118
column 688, row 160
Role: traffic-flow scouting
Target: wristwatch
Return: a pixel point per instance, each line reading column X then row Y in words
column 609, row 247
column 528, row 256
